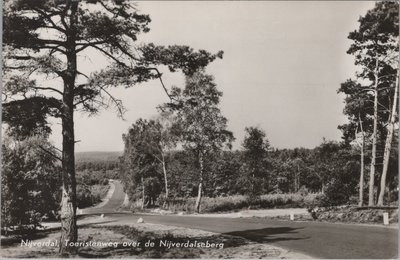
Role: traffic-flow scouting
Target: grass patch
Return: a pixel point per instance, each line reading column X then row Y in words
column 239, row 202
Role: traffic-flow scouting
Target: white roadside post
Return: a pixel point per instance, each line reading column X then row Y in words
column 385, row 218
column 291, row 216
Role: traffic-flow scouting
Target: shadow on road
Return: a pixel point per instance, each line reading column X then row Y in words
column 271, row 235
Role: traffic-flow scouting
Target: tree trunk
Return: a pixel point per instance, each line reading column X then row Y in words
column 143, row 194
column 388, row 144
column 200, row 191
column 165, row 176
column 297, row 179
column 69, row 231
column 374, row 136
column 361, row 191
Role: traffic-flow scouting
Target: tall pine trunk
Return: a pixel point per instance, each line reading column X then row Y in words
column 361, row 191
column 69, row 231
column 200, row 190
column 374, row 137
column 388, row 144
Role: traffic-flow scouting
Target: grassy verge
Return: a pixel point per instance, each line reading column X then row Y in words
column 347, row 214
column 239, row 202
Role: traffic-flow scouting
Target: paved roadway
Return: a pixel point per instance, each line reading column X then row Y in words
column 112, row 204
column 321, row 240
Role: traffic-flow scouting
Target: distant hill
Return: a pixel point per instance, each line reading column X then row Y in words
column 96, row 156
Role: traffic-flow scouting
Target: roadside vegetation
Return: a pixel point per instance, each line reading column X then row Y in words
column 241, row 202
column 92, row 176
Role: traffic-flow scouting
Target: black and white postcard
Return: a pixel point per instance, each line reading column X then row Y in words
column 200, row 129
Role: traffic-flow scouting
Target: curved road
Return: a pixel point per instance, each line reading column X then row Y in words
column 321, row 240
column 114, row 202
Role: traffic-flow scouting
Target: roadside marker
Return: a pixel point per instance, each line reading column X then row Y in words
column 291, row 216
column 385, row 218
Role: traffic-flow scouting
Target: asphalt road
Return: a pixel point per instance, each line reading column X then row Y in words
column 321, row 240
column 112, row 204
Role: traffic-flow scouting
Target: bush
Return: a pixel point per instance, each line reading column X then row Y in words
column 353, row 214
column 30, row 182
column 83, row 197
column 87, row 196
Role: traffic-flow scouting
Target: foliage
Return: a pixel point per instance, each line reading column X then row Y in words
column 198, row 119
column 351, row 214
column 199, row 123
column 87, row 196
column 30, row 180
column 139, row 166
column 89, row 177
column 255, row 150
column 369, row 98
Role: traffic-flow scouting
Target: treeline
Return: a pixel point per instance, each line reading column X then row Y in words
column 331, row 169
column 92, row 178
column 97, row 165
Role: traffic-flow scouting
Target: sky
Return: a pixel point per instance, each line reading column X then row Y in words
column 283, row 63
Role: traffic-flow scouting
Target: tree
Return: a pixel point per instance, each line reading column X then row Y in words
column 357, row 109
column 375, row 47
column 138, row 161
column 337, row 167
column 255, row 147
column 49, row 38
column 162, row 141
column 388, row 143
column 29, row 184
column 155, row 141
column 199, row 122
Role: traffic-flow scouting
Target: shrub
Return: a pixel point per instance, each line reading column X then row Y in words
column 30, row 184
column 87, row 196
column 83, row 196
